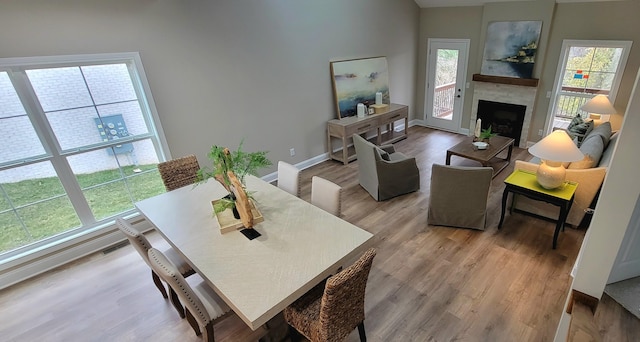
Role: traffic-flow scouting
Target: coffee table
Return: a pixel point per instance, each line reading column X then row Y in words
column 487, row 157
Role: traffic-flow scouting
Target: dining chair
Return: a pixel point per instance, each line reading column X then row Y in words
column 332, row 309
column 142, row 245
column 179, row 172
column 289, row 178
column 326, row 195
column 203, row 306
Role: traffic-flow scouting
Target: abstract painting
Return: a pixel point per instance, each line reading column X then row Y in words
column 357, row 81
column 510, row 48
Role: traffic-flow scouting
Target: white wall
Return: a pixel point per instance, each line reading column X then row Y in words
column 615, row 207
column 223, row 70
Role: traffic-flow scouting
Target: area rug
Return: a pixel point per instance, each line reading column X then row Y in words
column 627, row 294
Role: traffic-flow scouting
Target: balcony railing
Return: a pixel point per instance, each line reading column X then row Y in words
column 443, row 100
column 569, row 103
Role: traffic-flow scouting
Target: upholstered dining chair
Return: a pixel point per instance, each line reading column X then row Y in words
column 142, row 245
column 383, row 172
column 459, row 196
column 332, row 309
column 179, row 172
column 326, row 195
column 289, row 178
column 203, row 306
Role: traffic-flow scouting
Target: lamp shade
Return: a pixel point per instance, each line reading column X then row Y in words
column 557, row 147
column 599, row 104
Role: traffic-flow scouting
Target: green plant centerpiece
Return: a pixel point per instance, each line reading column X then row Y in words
column 486, row 134
column 230, row 169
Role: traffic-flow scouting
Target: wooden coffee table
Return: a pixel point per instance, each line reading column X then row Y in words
column 487, row 157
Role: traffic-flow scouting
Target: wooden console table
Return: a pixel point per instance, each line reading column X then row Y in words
column 345, row 128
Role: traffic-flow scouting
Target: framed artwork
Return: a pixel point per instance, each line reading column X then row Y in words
column 510, row 48
column 357, row 81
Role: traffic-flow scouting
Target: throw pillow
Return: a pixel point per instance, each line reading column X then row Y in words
column 603, row 131
column 592, row 148
column 582, row 128
column 383, row 154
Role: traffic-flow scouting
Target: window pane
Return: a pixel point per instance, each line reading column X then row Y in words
column 572, row 79
column 131, row 116
column 600, row 80
column 18, row 138
column 444, row 92
column 34, row 206
column 109, row 83
column 606, row 59
column 75, row 128
column 112, row 179
column 60, row 88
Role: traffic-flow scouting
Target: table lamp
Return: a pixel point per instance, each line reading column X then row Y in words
column 553, row 150
column 597, row 106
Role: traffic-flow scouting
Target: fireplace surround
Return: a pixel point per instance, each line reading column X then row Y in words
column 508, row 94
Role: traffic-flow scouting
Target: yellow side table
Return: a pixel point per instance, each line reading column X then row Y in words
column 525, row 183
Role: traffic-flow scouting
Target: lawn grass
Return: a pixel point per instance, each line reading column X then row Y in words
column 45, row 209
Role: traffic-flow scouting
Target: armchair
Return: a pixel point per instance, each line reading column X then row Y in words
column 383, row 172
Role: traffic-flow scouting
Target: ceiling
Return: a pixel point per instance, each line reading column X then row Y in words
column 456, row 3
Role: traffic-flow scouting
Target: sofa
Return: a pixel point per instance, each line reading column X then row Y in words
column 598, row 147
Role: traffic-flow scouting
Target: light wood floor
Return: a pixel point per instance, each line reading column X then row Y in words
column 427, row 283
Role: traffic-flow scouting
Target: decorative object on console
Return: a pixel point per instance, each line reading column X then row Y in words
column 596, row 107
column 510, row 48
column 554, row 149
column 358, row 81
column 229, row 169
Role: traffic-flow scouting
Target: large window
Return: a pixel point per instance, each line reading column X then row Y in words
column 78, row 146
column 586, row 69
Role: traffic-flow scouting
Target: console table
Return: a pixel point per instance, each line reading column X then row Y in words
column 345, row 128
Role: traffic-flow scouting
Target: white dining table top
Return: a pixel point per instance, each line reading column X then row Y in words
column 300, row 245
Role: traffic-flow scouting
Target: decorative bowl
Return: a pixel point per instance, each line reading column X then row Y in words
column 481, row 145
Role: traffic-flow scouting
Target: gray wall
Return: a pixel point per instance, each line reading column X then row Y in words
column 221, row 71
column 591, row 20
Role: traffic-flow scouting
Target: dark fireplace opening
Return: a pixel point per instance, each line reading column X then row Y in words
column 504, row 118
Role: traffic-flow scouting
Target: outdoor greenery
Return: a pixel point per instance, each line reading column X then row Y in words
column 45, row 209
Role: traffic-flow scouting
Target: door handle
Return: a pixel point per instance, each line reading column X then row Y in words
column 457, row 95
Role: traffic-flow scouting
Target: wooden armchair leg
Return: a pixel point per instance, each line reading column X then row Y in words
column 363, row 336
column 192, row 322
column 207, row 335
column 159, row 285
column 176, row 302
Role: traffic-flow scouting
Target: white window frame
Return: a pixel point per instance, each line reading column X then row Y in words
column 100, row 233
column 562, row 64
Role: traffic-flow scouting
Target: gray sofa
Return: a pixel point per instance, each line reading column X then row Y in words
column 597, row 146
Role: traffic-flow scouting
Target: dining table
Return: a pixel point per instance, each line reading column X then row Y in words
column 299, row 245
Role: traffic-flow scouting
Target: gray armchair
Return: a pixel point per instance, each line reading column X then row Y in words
column 459, row 196
column 383, row 172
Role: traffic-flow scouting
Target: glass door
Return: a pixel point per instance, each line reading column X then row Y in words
column 446, row 72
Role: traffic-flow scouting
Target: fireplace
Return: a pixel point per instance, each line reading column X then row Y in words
column 506, row 119
column 523, row 96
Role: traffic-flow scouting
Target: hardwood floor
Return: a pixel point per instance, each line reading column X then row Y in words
column 427, row 283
